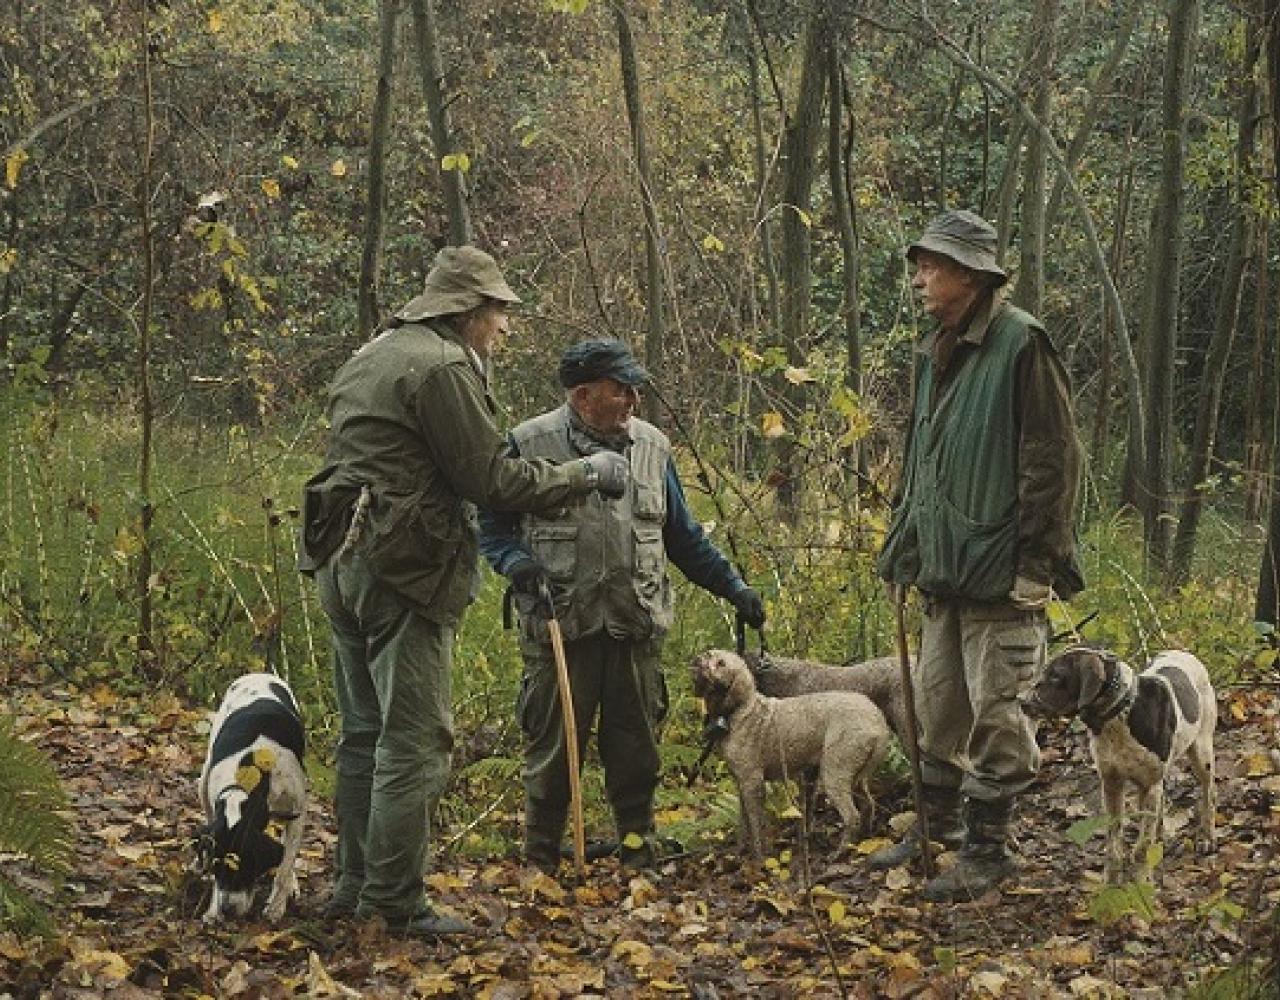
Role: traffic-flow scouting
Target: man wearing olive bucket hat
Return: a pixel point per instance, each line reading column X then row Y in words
column 984, row 528
column 389, row 533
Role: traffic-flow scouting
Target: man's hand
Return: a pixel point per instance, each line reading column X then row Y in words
column 526, row 577
column 1029, row 595
column 748, row 603
column 608, row 472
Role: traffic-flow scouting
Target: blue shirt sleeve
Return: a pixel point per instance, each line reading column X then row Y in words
column 689, row 548
column 500, row 534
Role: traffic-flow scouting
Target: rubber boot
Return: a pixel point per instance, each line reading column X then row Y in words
column 542, row 845
column 984, row 861
column 945, row 827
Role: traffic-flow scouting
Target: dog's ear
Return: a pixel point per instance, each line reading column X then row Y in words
column 1092, row 675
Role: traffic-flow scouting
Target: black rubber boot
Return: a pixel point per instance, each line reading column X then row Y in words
column 985, row 860
column 542, row 846
column 945, row 828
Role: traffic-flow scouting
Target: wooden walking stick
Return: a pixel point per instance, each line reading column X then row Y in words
column 570, row 730
column 913, row 729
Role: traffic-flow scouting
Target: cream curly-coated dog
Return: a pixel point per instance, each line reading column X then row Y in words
column 840, row 734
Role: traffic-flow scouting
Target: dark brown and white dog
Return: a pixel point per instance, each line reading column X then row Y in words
column 840, row 734
column 253, row 776
column 1139, row 725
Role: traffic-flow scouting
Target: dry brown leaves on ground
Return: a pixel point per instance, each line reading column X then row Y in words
column 703, row 926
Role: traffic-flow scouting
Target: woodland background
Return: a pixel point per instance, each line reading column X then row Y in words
column 206, row 205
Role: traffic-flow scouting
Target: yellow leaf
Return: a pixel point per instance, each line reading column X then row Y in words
column 836, row 912
column 771, row 425
column 107, row 964
column 633, row 841
column 797, row 376
column 456, row 161
column 321, row 984
column 216, row 21
column 1259, row 765
column 712, row 244
column 13, row 166
column 248, row 777
column 339, row 168
column 132, row 853
column 271, row 188
column 289, row 161
column 8, row 257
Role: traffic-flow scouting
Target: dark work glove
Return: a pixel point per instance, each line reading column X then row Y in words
column 748, row 603
column 608, row 472
column 526, row 577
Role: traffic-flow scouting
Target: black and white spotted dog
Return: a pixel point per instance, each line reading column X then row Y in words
column 1138, row 724
column 253, row 777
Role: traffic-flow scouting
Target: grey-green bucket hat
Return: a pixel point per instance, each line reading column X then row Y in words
column 461, row 278
column 966, row 238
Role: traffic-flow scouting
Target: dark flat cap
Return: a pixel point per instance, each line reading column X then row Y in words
column 966, row 238
column 596, row 359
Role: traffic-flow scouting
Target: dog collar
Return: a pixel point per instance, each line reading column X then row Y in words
column 1115, row 698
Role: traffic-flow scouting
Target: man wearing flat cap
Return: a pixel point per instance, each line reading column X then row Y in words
column 389, row 533
column 984, row 529
column 605, row 562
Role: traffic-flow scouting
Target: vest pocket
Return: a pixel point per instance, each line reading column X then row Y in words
column 963, row 557
column 555, row 546
column 649, row 560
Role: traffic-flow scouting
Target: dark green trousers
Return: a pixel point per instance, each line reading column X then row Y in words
column 393, row 676
column 618, row 689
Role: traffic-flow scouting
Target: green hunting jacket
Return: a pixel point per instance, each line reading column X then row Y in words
column 992, row 467
column 411, row 418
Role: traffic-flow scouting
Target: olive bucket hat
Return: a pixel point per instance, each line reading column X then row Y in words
column 966, row 238
column 461, row 278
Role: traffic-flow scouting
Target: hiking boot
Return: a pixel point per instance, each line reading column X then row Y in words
column 945, row 827
column 640, row 856
column 428, row 925
column 338, row 908
column 542, row 848
column 985, row 860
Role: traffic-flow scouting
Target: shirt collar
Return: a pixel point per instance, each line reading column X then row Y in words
column 981, row 314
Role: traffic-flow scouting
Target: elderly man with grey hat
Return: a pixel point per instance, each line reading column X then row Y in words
column 605, row 561
column 984, row 528
column 389, row 533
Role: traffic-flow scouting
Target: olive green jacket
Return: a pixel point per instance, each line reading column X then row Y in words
column 411, row 418
column 992, row 467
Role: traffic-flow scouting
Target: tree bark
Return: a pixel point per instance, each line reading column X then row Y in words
column 800, row 142
column 367, row 307
column 147, row 665
column 453, row 183
column 655, row 328
column 1230, row 290
column 1029, row 290
column 842, row 208
column 763, row 226
column 1256, row 417
column 1162, row 306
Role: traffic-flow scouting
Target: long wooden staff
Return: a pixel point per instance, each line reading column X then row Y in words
column 570, row 731
column 913, row 730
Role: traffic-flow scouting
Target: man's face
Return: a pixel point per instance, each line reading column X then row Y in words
column 486, row 328
column 946, row 289
column 606, row 405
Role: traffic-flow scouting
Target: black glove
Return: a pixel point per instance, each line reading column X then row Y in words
column 526, row 577
column 748, row 603
column 608, row 472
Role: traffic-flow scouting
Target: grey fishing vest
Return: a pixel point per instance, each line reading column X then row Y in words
column 605, row 559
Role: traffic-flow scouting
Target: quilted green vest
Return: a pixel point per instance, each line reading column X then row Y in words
column 605, row 558
column 955, row 531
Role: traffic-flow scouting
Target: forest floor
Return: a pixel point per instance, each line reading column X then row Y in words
column 704, row 926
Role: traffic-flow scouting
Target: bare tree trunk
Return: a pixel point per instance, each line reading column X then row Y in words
column 763, row 226
column 1007, row 191
column 800, row 142
column 1162, row 306
column 655, row 329
column 1029, row 291
column 452, row 182
column 1224, row 329
column 842, row 207
column 1099, row 96
column 1255, row 462
column 367, row 307
column 147, row 664
column 1102, row 410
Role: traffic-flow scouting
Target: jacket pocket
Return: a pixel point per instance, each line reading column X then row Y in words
column 555, row 546
column 964, row 557
column 416, row 550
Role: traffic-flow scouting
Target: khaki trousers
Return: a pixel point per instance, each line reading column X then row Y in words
column 975, row 661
